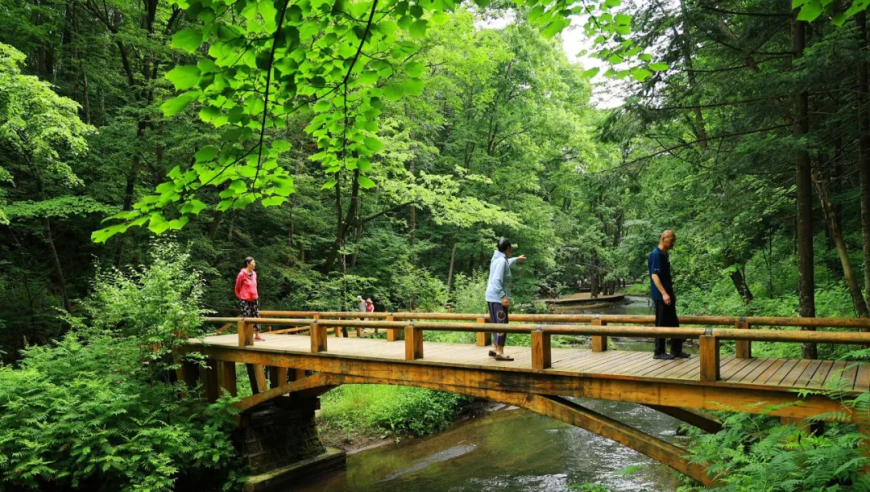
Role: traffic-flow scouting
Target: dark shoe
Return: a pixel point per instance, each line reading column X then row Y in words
column 663, row 356
column 682, row 355
column 492, row 353
column 503, row 357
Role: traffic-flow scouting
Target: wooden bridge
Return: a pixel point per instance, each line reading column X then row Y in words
column 305, row 361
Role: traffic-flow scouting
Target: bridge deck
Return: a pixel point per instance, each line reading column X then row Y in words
column 777, row 374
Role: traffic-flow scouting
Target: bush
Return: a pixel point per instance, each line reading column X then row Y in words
column 389, row 410
column 93, row 410
column 756, row 452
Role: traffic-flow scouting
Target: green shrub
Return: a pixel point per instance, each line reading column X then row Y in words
column 94, row 411
column 389, row 410
column 756, row 452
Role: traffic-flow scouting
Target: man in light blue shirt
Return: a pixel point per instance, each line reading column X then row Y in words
column 498, row 293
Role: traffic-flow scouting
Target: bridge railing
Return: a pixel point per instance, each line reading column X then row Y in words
column 709, row 338
column 743, row 348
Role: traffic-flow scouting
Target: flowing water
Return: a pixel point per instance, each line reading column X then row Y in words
column 513, row 450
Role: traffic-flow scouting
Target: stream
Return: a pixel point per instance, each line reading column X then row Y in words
column 513, row 450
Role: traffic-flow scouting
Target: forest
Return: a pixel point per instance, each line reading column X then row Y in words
column 380, row 148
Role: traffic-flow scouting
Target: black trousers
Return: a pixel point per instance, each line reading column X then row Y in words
column 666, row 315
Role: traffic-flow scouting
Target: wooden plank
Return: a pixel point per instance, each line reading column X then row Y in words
column 862, row 380
column 780, row 373
column 746, row 369
column 732, row 370
column 633, row 363
column 821, row 376
column 769, row 371
column 749, row 375
column 796, row 372
column 654, row 366
column 810, row 371
column 846, row 379
column 584, row 359
column 610, row 361
column 678, row 366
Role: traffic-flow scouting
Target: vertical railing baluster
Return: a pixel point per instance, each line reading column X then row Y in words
column 709, row 356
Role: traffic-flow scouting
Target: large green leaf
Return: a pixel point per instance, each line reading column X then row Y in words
column 187, row 39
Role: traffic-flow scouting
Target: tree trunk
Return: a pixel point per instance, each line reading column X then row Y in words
column 864, row 148
column 57, row 266
column 685, row 45
column 842, row 251
column 471, row 264
column 450, row 271
column 739, row 282
column 803, row 179
column 412, row 213
column 343, row 225
column 213, row 228
column 130, row 187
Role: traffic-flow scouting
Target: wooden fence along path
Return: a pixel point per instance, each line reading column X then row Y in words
column 541, row 376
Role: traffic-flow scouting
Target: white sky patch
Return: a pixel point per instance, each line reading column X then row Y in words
column 606, row 93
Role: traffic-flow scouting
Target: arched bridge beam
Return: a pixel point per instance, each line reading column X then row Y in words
column 551, row 406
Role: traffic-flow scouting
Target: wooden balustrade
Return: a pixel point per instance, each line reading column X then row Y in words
column 624, row 319
column 709, row 338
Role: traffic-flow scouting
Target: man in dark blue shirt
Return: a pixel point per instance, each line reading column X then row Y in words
column 662, row 292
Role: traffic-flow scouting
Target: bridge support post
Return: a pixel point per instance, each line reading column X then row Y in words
column 541, row 354
column 393, row 334
column 709, row 357
column 599, row 342
column 226, row 374
column 318, row 338
column 277, row 376
column 413, row 343
column 742, row 348
column 483, row 338
column 246, row 334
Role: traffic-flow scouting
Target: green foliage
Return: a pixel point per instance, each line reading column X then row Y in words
column 389, row 410
column 755, row 452
column 39, row 131
column 96, row 410
column 268, row 60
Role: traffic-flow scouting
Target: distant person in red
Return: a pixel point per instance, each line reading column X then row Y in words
column 370, row 306
column 246, row 291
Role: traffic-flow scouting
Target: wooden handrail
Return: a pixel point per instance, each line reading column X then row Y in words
column 863, row 323
column 576, row 329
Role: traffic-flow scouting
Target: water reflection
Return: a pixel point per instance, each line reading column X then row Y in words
column 511, row 450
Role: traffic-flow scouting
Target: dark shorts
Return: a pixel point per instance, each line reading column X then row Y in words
column 498, row 314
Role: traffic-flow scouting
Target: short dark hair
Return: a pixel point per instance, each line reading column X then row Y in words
column 503, row 244
column 248, row 260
